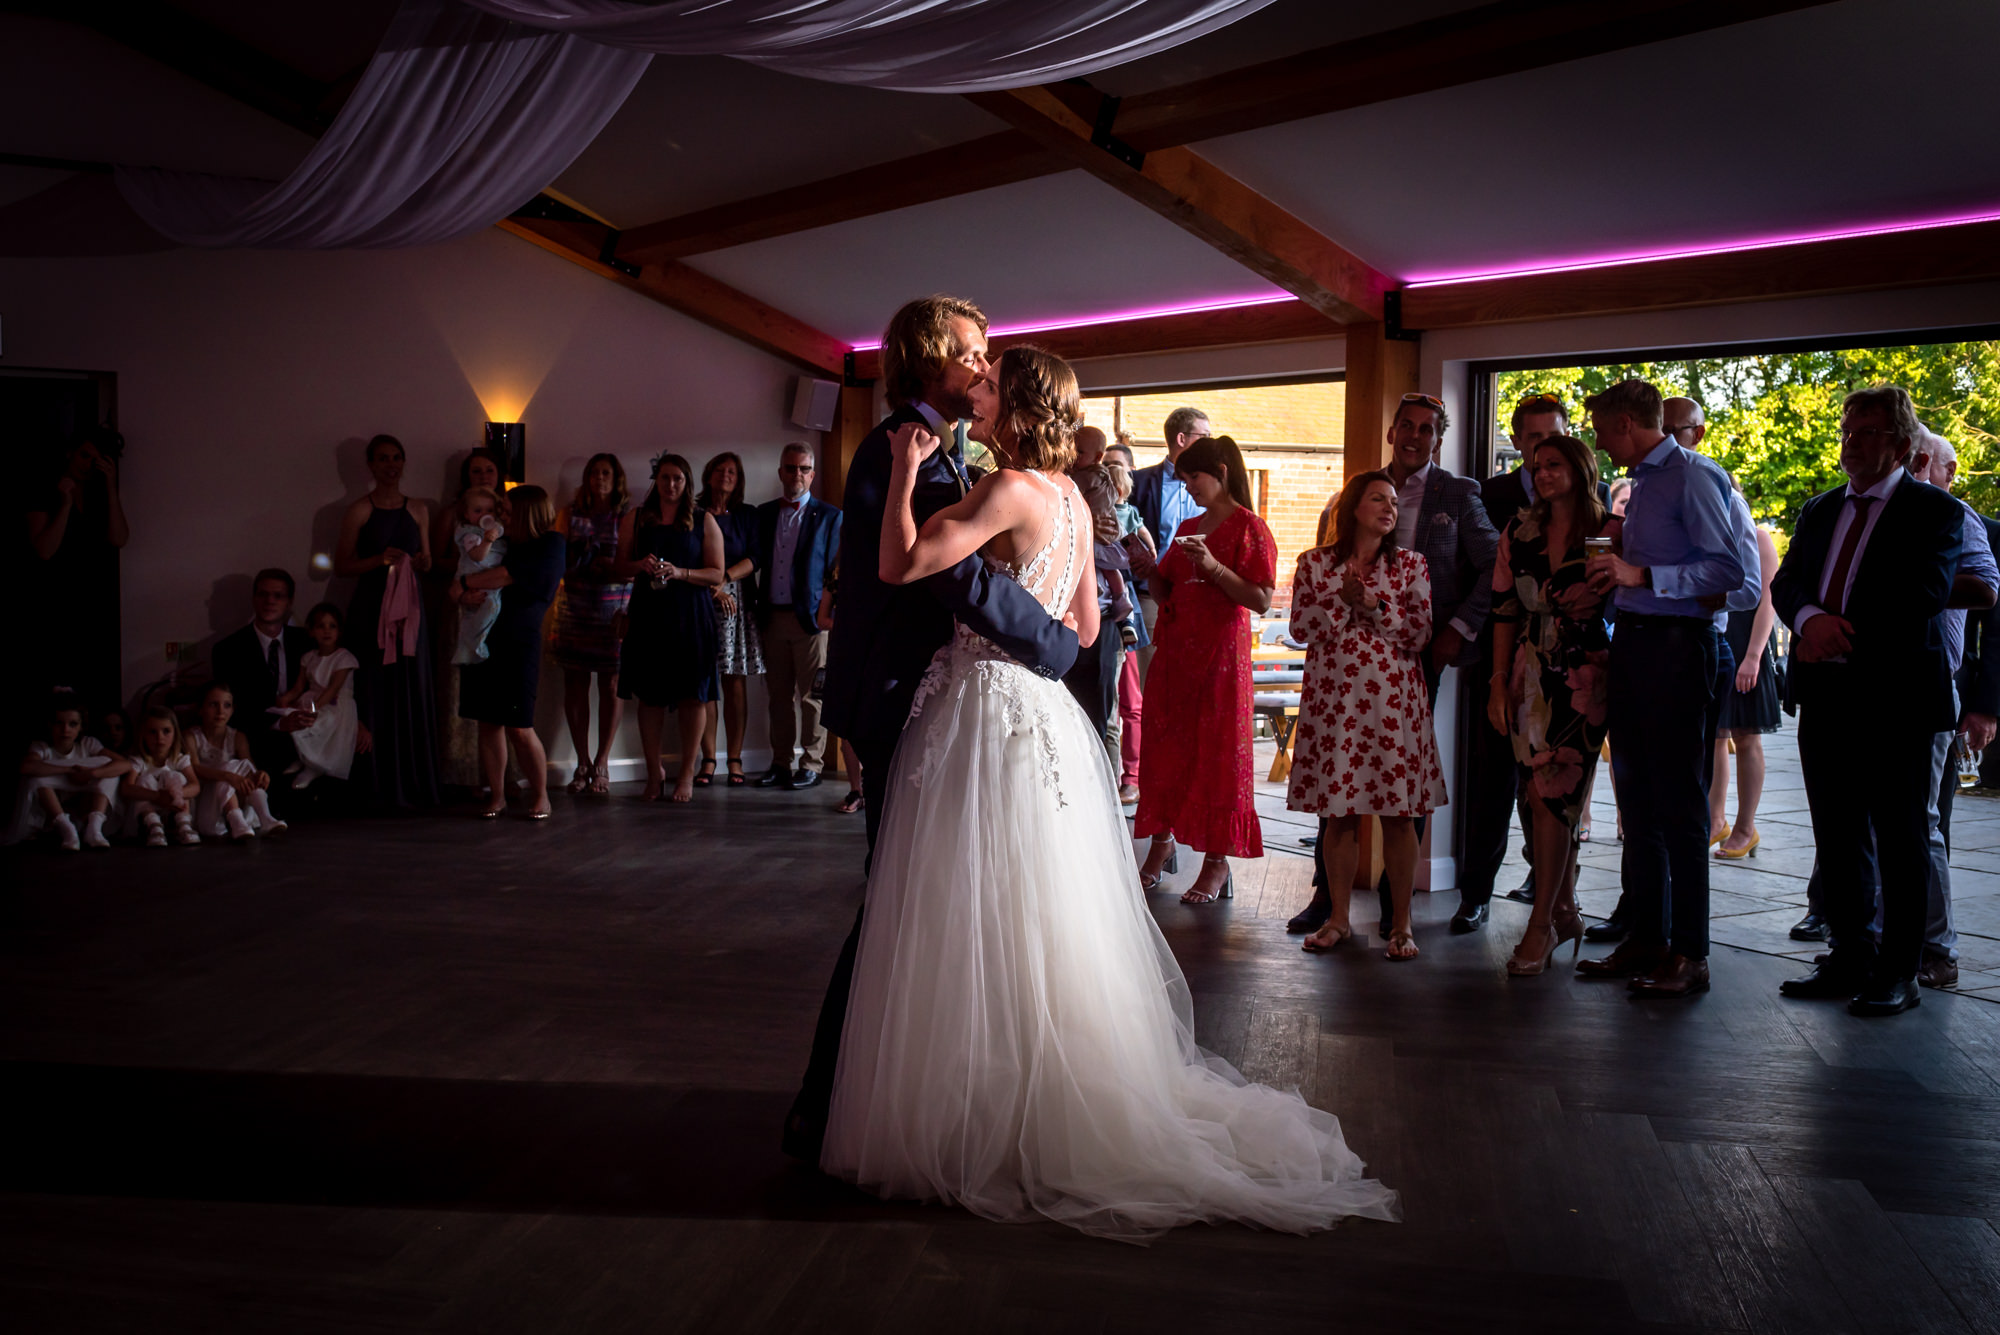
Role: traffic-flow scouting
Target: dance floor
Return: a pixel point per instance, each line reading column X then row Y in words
column 439, row 1075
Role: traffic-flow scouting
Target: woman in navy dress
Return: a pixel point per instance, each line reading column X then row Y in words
column 499, row 694
column 739, row 649
column 396, row 760
column 672, row 552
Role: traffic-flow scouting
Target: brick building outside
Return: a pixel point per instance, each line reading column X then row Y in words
column 1290, row 436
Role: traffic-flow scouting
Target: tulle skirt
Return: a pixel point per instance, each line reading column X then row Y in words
column 1019, row 1039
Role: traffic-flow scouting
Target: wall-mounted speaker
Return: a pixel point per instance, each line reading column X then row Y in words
column 814, row 402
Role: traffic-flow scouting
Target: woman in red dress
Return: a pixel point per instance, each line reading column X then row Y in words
column 1194, row 747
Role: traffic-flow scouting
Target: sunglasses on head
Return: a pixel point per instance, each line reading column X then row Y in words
column 1540, row 403
column 1428, row 400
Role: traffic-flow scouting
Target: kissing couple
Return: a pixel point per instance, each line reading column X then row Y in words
column 1006, row 1028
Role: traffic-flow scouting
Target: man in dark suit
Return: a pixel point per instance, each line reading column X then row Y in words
column 1492, row 793
column 798, row 539
column 884, row 635
column 260, row 662
column 1864, row 586
column 1439, row 515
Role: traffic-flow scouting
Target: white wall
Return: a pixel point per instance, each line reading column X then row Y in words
column 249, row 381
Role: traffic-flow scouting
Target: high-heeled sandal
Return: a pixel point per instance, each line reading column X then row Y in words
column 600, row 782
column 736, row 779
column 1167, row 868
column 581, row 779
column 706, row 774
column 1530, row 965
column 1227, row 890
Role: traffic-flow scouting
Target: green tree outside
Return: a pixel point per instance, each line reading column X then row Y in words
column 1773, row 421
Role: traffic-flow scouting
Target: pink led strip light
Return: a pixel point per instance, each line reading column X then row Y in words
column 1731, row 248
column 1115, row 317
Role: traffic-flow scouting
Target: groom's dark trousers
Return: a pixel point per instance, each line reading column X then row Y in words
column 884, row 636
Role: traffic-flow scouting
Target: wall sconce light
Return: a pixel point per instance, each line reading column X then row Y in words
column 509, row 440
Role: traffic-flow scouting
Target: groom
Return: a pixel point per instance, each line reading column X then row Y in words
column 885, row 634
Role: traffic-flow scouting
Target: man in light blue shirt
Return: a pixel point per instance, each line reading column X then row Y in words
column 1689, row 552
column 1163, row 500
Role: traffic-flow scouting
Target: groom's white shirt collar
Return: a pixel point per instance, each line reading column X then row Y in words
column 932, row 416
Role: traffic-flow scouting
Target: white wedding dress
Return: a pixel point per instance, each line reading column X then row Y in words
column 1019, row 1039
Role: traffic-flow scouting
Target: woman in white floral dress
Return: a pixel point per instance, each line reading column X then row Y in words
column 1364, row 745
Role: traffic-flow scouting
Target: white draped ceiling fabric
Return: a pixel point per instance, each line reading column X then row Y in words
column 470, row 108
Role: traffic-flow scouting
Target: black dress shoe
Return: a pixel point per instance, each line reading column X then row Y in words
column 1812, row 927
column 1525, row 892
column 775, row 777
column 1827, row 982
column 1608, row 933
column 805, row 778
column 1313, row 916
column 1470, row 917
column 1886, row 996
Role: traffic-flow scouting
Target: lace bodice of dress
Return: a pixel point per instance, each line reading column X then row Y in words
column 1033, row 574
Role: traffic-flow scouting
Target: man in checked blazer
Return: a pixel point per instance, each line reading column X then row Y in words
column 1440, row 516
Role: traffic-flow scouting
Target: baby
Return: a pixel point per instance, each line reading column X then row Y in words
column 480, row 547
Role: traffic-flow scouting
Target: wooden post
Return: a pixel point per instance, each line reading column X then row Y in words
column 1380, row 370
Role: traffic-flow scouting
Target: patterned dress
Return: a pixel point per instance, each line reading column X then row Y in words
column 1558, row 679
column 1195, row 771
column 740, row 649
column 1364, row 744
column 582, row 638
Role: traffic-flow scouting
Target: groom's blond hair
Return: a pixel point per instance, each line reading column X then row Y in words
column 918, row 344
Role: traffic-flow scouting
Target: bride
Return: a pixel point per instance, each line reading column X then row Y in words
column 1019, row 1040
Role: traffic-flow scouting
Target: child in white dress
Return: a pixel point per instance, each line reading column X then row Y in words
column 67, row 776
column 230, row 780
column 162, row 782
column 480, row 547
column 319, row 709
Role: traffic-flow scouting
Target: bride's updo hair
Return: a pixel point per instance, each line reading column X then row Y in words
column 1040, row 403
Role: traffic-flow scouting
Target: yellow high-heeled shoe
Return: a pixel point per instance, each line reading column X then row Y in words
column 1748, row 850
column 1715, row 839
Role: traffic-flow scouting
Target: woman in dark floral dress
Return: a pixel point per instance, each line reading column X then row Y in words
column 584, row 637
column 1550, row 648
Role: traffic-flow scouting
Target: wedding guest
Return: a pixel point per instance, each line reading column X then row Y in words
column 499, row 693
column 584, row 640
column 478, row 536
column 323, row 723
column 1547, row 687
column 742, row 646
column 1093, row 681
column 67, row 775
column 458, row 739
column 259, row 661
column 1194, row 760
column 231, row 783
column 672, row 552
column 798, row 540
column 1364, row 745
column 1749, row 710
column 850, row 762
column 1131, row 630
column 75, row 527
column 384, row 542
column 1163, row 501
column 1619, row 925
column 161, row 782
column 1090, row 446
column 1685, row 558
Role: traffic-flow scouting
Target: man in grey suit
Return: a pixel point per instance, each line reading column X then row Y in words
column 1440, row 516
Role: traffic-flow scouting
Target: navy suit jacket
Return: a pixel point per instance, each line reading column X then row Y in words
column 812, row 558
column 884, row 635
column 1457, row 540
column 238, row 660
column 1896, row 608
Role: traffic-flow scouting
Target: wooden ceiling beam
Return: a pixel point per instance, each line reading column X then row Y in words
column 1195, row 194
column 690, row 292
column 997, row 159
column 1929, row 257
column 1423, row 57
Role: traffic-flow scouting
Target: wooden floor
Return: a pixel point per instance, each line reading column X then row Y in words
column 449, row 1076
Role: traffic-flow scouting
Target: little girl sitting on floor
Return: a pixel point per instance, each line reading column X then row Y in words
column 319, row 709
column 162, row 782
column 230, row 781
column 66, row 775
column 480, row 547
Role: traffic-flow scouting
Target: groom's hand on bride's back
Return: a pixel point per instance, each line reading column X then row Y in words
column 912, row 444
